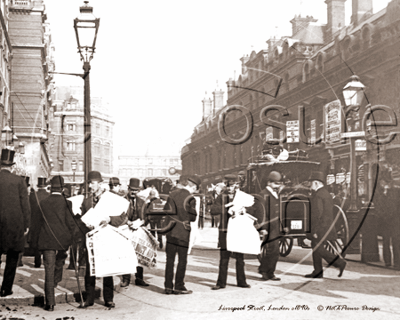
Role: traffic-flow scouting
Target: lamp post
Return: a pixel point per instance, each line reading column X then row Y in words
column 6, row 135
column 73, row 167
column 86, row 27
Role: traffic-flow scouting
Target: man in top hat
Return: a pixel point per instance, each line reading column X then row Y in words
column 270, row 230
column 36, row 215
column 28, row 188
column 178, row 237
column 134, row 213
column 94, row 180
column 14, row 216
column 57, row 229
column 322, row 226
column 217, row 209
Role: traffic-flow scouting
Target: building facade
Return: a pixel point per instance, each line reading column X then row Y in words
column 31, row 83
column 299, row 79
column 67, row 135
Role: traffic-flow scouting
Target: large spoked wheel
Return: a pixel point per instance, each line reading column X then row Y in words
column 342, row 231
column 285, row 246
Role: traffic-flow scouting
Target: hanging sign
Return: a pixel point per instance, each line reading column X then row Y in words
column 292, row 131
column 333, row 121
column 361, row 145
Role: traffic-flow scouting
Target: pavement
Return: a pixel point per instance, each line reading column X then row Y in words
column 363, row 292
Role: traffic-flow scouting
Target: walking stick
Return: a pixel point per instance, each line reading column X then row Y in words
column 77, row 274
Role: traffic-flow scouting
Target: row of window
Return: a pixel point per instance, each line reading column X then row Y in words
column 142, row 172
column 142, row 161
column 96, row 130
column 105, row 151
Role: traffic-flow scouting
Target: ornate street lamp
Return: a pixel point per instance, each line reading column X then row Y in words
column 353, row 94
column 86, row 27
column 6, row 135
column 21, row 147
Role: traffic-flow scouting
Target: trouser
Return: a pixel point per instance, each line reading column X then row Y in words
column 269, row 258
column 10, row 269
column 171, row 250
column 53, row 261
column 223, row 268
column 138, row 274
column 321, row 253
column 38, row 257
column 90, row 285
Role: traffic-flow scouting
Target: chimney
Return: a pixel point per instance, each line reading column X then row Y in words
column 336, row 18
column 207, row 107
column 218, row 100
column 244, row 59
column 359, row 9
column 299, row 23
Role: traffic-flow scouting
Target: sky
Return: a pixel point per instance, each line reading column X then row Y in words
column 157, row 60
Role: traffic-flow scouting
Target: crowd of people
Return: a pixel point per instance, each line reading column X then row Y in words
column 53, row 228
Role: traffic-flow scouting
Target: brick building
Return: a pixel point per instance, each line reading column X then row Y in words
column 31, row 84
column 67, row 132
column 303, row 76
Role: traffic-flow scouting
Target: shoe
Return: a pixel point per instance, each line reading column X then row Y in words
column 244, row 285
column 86, row 305
column 273, row 278
column 109, row 304
column 341, row 268
column 48, row 307
column 217, row 287
column 314, row 275
column 141, row 282
column 124, row 284
column 37, row 265
column 169, row 291
column 4, row 293
column 183, row 291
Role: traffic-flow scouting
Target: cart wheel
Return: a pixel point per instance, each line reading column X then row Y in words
column 285, row 246
column 342, row 230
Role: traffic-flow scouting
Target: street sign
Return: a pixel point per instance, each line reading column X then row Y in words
column 352, row 134
column 361, row 145
column 333, row 121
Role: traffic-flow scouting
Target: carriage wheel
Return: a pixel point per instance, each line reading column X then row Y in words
column 342, row 231
column 285, row 246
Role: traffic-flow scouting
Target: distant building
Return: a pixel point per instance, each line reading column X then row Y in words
column 154, row 162
column 67, row 132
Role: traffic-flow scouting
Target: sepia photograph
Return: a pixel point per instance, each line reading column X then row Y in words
column 185, row 159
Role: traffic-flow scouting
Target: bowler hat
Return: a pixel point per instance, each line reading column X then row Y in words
column 230, row 179
column 195, row 179
column 274, row 176
column 317, row 175
column 26, row 180
column 114, row 182
column 134, row 183
column 7, row 157
column 94, row 176
column 57, row 182
column 41, row 182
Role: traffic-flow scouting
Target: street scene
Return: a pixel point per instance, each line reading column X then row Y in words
column 214, row 159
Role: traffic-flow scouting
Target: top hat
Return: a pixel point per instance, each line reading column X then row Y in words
column 7, row 157
column 41, row 182
column 26, row 179
column 317, row 175
column 57, row 182
column 274, row 176
column 134, row 183
column 114, row 182
column 94, row 176
column 195, row 179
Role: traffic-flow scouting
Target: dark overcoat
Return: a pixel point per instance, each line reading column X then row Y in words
column 186, row 212
column 321, row 206
column 58, row 232
column 36, row 215
column 135, row 208
column 272, row 224
column 14, row 211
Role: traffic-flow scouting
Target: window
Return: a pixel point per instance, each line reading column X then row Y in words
column 136, row 161
column 61, row 165
column 97, row 165
column 97, row 149
column 150, row 172
column 171, row 162
column 80, row 168
column 71, row 146
column 107, row 131
column 71, row 127
column 164, row 172
column 106, row 166
column 97, row 128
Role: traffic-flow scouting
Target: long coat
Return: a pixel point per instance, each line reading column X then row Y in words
column 14, row 211
column 179, row 235
column 36, row 215
column 321, row 204
column 135, row 208
column 58, row 232
column 273, row 215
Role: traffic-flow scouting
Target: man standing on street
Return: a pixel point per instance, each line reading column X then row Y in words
column 178, row 237
column 14, row 218
column 134, row 213
column 94, row 180
column 57, row 229
column 322, row 226
column 217, row 209
column 270, row 250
